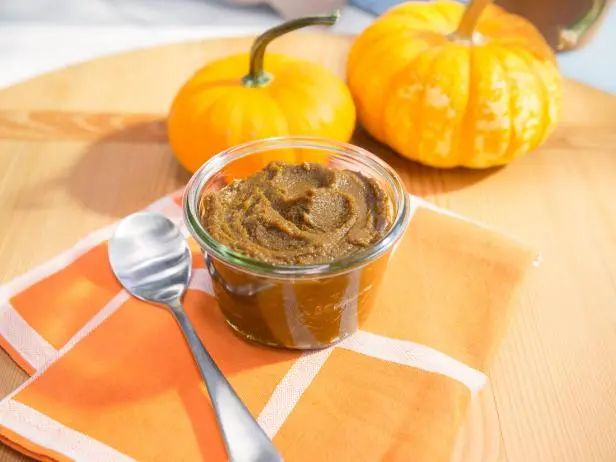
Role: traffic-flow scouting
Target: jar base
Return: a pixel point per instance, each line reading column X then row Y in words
column 252, row 339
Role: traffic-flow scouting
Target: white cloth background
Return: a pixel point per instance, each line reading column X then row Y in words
column 41, row 35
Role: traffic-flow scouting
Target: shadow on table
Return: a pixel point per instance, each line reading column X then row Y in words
column 126, row 170
column 420, row 179
column 133, row 166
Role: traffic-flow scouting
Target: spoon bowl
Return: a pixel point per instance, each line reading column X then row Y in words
column 150, row 257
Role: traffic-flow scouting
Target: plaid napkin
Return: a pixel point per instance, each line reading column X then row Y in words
column 113, row 380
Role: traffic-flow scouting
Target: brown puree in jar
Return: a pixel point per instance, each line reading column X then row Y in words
column 298, row 214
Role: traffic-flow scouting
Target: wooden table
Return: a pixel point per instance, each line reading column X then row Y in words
column 67, row 136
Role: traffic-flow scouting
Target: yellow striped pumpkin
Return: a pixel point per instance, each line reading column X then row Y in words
column 452, row 87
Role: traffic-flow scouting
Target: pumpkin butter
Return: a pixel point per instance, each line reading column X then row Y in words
column 298, row 214
column 317, row 237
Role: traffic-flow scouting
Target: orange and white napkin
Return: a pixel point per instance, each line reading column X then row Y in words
column 112, row 379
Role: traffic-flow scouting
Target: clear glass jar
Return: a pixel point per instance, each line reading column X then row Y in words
column 294, row 306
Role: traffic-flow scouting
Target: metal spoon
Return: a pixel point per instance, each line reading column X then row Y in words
column 151, row 259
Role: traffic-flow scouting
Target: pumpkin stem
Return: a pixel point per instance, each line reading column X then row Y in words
column 569, row 37
column 470, row 18
column 256, row 75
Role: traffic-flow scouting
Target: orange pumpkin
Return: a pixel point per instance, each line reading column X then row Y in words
column 221, row 106
column 449, row 87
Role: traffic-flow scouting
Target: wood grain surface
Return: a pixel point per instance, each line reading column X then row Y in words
column 84, row 146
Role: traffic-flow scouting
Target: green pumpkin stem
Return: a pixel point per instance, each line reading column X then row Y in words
column 257, row 76
column 569, row 37
column 470, row 18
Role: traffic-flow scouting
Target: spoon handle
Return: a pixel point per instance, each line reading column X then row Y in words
column 244, row 439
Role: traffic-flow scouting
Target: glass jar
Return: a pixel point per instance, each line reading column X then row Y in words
column 294, row 306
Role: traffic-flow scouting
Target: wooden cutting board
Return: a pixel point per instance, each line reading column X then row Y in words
column 98, row 126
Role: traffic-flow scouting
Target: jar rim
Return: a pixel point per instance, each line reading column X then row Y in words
column 212, row 247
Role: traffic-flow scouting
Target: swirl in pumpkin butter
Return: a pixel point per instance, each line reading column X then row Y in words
column 295, row 214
